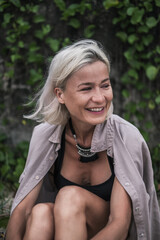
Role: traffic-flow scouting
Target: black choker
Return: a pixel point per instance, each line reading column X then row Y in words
column 85, row 153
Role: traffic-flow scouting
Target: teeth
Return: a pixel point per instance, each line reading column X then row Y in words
column 96, row 109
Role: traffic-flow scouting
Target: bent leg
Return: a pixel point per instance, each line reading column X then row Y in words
column 79, row 214
column 40, row 224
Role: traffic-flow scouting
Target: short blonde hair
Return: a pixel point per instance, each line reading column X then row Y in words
column 66, row 62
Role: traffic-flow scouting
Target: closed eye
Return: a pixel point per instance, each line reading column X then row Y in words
column 86, row 89
column 105, row 85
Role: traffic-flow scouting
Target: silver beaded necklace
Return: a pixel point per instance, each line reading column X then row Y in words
column 85, row 153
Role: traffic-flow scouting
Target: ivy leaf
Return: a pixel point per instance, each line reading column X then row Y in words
column 22, row 9
column 35, row 76
column 116, row 20
column 111, row 3
column 157, row 100
column 122, row 36
column 37, row 58
column 75, row 23
column 89, row 31
column 143, row 29
column 66, row 42
column 132, row 38
column 125, row 79
column 151, row 105
column 33, row 47
column 139, row 46
column 15, row 57
column 130, row 11
column 151, row 22
column 148, row 6
column 32, row 8
column 53, row 44
column 70, row 11
column 39, row 19
column 11, row 38
column 157, row 3
column 7, row 17
column 158, row 49
column 46, row 29
column 133, row 73
column 151, row 72
column 19, row 167
column 21, row 44
column 147, row 39
column 60, row 4
column 38, row 34
column 137, row 16
column 129, row 54
column 17, row 3
column 125, row 93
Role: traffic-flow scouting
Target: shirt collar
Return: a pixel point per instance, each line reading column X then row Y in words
column 57, row 134
column 102, row 137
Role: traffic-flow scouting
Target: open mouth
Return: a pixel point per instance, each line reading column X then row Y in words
column 95, row 109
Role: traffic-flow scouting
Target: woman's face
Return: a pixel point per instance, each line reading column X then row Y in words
column 88, row 94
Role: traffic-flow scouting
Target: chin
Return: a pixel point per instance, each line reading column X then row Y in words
column 97, row 121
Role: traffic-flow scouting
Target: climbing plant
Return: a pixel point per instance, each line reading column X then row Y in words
column 31, row 32
column 138, row 29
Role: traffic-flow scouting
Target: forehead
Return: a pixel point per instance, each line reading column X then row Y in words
column 93, row 72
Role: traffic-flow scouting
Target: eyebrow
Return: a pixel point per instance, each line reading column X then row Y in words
column 90, row 83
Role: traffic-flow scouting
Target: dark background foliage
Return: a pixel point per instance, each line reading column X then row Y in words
column 31, row 32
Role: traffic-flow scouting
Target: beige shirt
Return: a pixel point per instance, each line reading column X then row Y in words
column 132, row 165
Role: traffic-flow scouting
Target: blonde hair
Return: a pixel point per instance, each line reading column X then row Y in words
column 66, row 62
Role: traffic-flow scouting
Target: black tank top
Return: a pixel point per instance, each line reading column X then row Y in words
column 102, row 190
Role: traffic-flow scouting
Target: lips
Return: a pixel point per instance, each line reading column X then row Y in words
column 95, row 109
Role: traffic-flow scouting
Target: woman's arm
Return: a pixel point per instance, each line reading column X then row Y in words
column 17, row 222
column 120, row 215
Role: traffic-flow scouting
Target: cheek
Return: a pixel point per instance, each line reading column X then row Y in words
column 109, row 96
column 70, row 103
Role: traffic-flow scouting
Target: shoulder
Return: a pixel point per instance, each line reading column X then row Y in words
column 127, row 136
column 44, row 128
column 45, row 137
column 119, row 121
column 125, row 128
column 44, row 133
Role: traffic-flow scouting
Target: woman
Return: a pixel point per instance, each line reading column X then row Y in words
column 88, row 174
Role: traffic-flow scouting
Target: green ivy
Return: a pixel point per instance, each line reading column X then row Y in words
column 137, row 23
column 12, row 161
column 30, row 38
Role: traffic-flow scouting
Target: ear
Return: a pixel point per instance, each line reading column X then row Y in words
column 60, row 95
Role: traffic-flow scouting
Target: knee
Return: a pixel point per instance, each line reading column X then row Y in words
column 41, row 211
column 69, row 202
column 40, row 221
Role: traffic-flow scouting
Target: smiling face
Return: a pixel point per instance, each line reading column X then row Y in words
column 88, row 94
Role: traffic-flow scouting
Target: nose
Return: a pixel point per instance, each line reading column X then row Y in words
column 98, row 96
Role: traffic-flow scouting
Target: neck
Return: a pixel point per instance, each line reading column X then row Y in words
column 84, row 132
